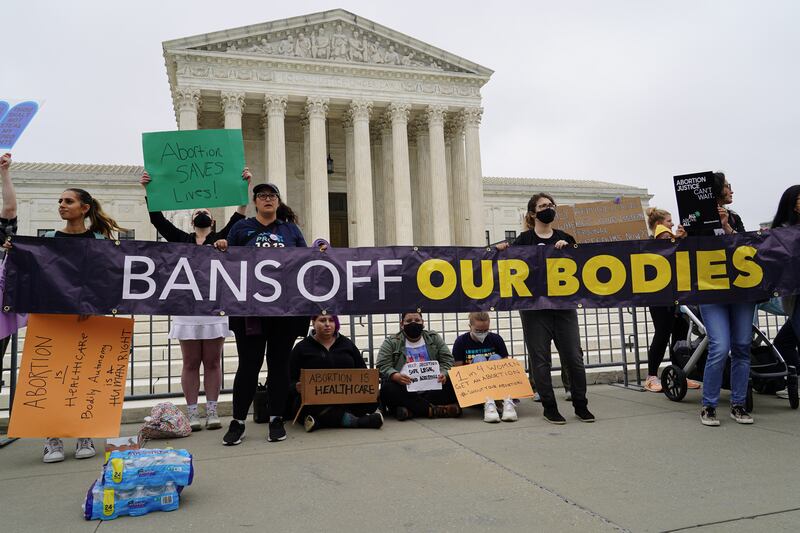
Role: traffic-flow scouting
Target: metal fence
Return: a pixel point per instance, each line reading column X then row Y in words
column 614, row 338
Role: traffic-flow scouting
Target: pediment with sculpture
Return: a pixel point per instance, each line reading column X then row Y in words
column 334, row 42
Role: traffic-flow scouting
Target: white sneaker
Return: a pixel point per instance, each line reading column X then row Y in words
column 212, row 420
column 568, row 396
column 195, row 422
column 784, row 394
column 490, row 412
column 53, row 451
column 537, row 398
column 84, row 449
column 509, row 413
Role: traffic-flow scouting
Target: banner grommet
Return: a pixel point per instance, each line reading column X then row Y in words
column 323, row 312
column 114, row 311
column 580, row 306
column 419, row 310
column 116, row 243
column 222, row 313
column 491, row 309
column 775, row 294
column 6, row 308
column 416, row 249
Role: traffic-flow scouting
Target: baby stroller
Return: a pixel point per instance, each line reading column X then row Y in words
column 768, row 370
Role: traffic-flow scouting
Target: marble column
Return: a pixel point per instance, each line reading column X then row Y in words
column 275, row 111
column 188, row 104
column 425, row 237
column 316, row 192
column 404, row 232
column 359, row 113
column 448, row 156
column 413, row 164
column 440, row 215
column 232, row 106
column 472, row 146
column 460, row 188
column 349, row 179
column 376, row 146
column 388, row 180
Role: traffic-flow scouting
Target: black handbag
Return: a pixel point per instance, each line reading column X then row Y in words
column 260, row 405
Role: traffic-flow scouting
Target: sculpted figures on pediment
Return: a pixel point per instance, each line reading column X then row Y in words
column 321, row 44
column 302, row 47
column 339, row 44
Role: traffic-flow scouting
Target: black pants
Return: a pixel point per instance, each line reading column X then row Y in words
column 330, row 416
column 396, row 395
column 277, row 339
column 666, row 324
column 561, row 327
column 786, row 343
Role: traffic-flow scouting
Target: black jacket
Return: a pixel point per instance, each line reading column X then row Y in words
column 173, row 234
column 308, row 353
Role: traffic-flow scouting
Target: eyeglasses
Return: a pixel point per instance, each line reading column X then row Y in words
column 545, row 206
column 266, row 196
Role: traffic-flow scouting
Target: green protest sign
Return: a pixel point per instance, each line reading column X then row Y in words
column 194, row 168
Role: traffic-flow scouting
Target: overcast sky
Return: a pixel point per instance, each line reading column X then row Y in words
column 624, row 91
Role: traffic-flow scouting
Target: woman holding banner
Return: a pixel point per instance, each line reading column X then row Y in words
column 326, row 348
column 543, row 326
column 666, row 323
column 730, row 330
column 74, row 207
column 202, row 338
column 274, row 226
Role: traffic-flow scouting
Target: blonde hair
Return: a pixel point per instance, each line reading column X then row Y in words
column 478, row 316
column 655, row 216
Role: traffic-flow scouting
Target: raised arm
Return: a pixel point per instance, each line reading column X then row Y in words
column 9, row 195
column 166, row 228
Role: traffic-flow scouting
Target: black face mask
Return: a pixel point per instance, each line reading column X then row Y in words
column 547, row 215
column 412, row 330
column 202, row 220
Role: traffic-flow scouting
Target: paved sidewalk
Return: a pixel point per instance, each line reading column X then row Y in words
column 646, row 465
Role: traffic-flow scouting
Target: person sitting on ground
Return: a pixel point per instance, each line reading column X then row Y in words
column 326, row 348
column 479, row 345
column 415, row 344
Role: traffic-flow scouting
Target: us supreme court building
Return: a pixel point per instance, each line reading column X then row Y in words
column 372, row 136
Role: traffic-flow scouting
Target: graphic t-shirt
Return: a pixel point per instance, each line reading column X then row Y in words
column 417, row 351
column 279, row 234
column 466, row 348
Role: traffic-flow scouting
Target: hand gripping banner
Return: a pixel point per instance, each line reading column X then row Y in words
column 89, row 276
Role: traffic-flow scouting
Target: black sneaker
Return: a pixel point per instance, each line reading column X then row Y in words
column 740, row 414
column 276, row 430
column 402, row 413
column 708, row 416
column 310, row 423
column 554, row 417
column 371, row 421
column 583, row 414
column 234, row 434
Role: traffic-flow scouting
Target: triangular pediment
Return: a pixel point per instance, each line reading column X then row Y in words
column 336, row 36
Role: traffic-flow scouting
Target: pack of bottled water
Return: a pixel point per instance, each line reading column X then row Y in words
column 137, row 482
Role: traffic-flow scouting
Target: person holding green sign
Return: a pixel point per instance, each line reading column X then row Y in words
column 202, row 338
column 274, row 226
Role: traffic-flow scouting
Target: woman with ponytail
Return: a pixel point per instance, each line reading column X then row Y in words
column 202, row 338
column 666, row 323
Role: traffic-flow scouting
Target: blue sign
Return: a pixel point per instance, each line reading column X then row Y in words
column 14, row 121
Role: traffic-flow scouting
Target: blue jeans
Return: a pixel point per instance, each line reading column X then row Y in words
column 730, row 330
column 482, row 358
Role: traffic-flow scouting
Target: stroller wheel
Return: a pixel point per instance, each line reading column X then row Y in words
column 791, row 387
column 673, row 382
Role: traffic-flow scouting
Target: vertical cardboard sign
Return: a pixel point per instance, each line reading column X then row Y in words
column 194, row 168
column 697, row 205
column 72, row 377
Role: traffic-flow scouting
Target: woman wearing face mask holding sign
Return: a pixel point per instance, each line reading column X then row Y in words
column 201, row 337
column 542, row 326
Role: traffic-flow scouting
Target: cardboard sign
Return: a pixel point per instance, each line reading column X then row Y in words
column 610, row 221
column 339, row 386
column 497, row 380
column 697, row 206
column 424, row 376
column 196, row 168
column 72, row 377
column 14, row 118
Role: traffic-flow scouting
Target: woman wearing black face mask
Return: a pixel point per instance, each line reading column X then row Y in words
column 414, row 344
column 558, row 325
column 201, row 337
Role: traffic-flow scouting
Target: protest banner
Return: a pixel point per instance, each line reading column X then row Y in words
column 609, row 221
column 697, row 206
column 496, row 380
column 95, row 276
column 424, row 376
column 338, row 386
column 72, row 377
column 194, row 168
column 14, row 118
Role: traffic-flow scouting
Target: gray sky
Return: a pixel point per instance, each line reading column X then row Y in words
column 625, row 91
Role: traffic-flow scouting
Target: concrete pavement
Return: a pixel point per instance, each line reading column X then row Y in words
column 647, row 464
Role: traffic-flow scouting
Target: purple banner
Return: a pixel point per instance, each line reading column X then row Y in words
column 89, row 276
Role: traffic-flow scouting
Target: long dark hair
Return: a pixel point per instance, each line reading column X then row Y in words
column 100, row 222
column 786, row 214
column 717, row 184
column 283, row 212
column 530, row 216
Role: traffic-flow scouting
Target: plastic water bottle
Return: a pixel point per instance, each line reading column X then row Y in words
column 169, row 499
column 138, row 505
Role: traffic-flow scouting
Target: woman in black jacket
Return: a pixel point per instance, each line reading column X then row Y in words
column 326, row 348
